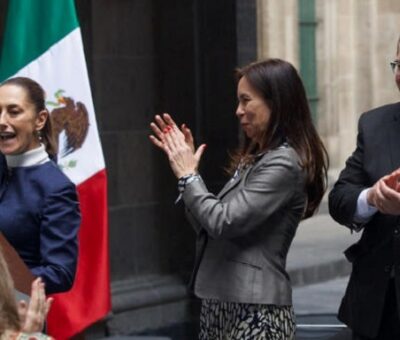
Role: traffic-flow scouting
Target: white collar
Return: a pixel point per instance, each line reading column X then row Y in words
column 30, row 158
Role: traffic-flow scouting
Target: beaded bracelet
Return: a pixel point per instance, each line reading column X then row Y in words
column 183, row 182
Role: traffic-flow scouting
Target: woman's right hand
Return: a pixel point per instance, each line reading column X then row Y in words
column 188, row 137
column 178, row 144
column 165, row 121
column 33, row 314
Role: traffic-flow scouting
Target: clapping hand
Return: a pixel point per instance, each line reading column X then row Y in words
column 385, row 194
column 393, row 180
column 178, row 145
column 33, row 314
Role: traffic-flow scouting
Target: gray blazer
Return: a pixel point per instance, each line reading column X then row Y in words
column 245, row 232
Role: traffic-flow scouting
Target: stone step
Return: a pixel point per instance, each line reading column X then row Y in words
column 316, row 253
column 123, row 337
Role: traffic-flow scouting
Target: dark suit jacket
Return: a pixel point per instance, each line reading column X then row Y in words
column 245, row 232
column 39, row 216
column 377, row 254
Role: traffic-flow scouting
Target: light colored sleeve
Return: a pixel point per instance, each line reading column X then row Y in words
column 364, row 211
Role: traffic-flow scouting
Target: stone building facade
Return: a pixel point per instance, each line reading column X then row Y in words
column 354, row 42
column 147, row 57
column 151, row 56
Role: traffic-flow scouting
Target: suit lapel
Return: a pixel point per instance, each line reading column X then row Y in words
column 394, row 141
column 234, row 181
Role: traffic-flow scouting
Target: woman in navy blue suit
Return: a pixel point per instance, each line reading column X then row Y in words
column 39, row 209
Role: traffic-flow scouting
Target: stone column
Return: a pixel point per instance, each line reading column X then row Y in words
column 335, row 57
column 356, row 39
column 277, row 29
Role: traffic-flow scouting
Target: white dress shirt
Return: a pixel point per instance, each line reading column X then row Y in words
column 364, row 210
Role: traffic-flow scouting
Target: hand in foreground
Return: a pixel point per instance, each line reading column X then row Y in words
column 384, row 195
column 393, row 180
column 177, row 144
column 33, row 314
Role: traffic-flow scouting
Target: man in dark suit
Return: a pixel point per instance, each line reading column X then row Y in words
column 366, row 197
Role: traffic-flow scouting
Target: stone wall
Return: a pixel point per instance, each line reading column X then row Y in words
column 150, row 57
column 356, row 40
column 277, row 28
column 147, row 57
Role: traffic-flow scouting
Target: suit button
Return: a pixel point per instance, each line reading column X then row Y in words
column 396, row 231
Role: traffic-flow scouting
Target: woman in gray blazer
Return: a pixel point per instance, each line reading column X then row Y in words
column 244, row 232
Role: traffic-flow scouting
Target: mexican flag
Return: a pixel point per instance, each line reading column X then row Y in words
column 42, row 40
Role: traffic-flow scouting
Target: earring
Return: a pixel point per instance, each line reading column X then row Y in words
column 39, row 135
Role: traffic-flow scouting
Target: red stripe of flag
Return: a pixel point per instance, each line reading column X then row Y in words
column 89, row 298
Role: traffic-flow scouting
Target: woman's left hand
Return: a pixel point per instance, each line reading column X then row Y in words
column 177, row 145
column 33, row 314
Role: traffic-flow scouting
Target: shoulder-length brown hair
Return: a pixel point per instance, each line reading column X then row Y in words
column 278, row 82
column 9, row 318
column 36, row 96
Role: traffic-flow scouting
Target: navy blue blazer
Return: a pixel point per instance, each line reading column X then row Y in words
column 40, row 217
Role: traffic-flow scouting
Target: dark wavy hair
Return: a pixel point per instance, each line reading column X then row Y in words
column 36, row 96
column 278, row 82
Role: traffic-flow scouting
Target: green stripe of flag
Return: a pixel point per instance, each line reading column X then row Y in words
column 24, row 37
